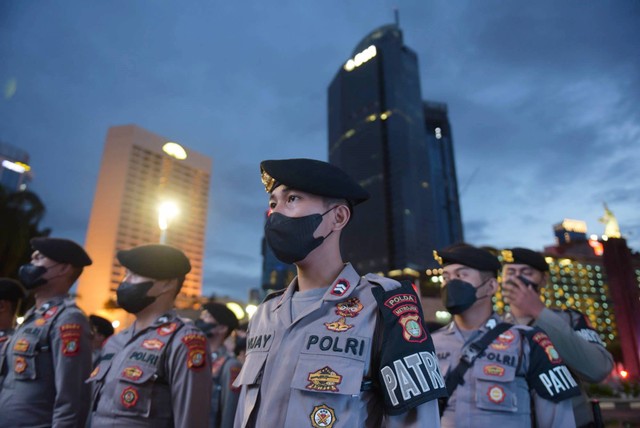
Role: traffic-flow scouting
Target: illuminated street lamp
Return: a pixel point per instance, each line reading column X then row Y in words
column 167, row 211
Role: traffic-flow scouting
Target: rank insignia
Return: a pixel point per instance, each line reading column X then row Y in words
column 70, row 335
column 196, row 350
column 129, row 397
column 95, row 372
column 493, row 370
column 40, row 322
column 496, row 394
column 22, row 345
column 412, row 330
column 325, row 380
column 323, row 416
column 152, row 344
column 51, row 312
column 349, row 308
column 338, row 326
column 20, row 365
column 503, row 341
column 167, row 329
column 340, row 287
column 132, row 373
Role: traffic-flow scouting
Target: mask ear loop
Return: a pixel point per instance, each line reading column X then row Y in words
column 325, row 237
column 482, row 285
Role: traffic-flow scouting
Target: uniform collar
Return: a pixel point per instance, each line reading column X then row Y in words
column 491, row 322
column 341, row 287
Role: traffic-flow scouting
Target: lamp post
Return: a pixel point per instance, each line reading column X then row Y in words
column 167, row 211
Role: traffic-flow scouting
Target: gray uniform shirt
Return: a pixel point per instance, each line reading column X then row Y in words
column 308, row 371
column 157, row 377
column 44, row 367
column 225, row 368
column 498, row 389
column 580, row 347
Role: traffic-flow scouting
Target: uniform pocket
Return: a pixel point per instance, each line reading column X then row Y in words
column 326, row 390
column 251, row 370
column 496, row 389
column 133, row 393
column 24, row 358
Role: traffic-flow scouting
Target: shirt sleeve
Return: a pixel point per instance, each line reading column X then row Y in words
column 71, row 353
column 230, row 394
column 553, row 415
column 579, row 345
column 425, row 415
column 189, row 367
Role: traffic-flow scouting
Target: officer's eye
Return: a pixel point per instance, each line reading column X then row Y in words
column 272, row 205
column 292, row 198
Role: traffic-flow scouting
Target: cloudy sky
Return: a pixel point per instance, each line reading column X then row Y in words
column 543, row 99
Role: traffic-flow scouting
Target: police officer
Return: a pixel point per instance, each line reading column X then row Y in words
column 524, row 272
column 156, row 373
column 218, row 322
column 11, row 294
column 333, row 349
column 516, row 373
column 49, row 356
column 102, row 329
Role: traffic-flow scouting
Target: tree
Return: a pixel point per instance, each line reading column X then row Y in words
column 20, row 215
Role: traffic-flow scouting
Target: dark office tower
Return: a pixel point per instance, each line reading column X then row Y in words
column 448, row 220
column 377, row 133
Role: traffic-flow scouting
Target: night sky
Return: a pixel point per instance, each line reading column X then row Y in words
column 543, row 101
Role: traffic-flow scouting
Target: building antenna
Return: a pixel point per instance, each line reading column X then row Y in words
column 396, row 15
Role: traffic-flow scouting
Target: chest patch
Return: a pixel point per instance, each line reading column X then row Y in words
column 326, row 380
column 323, row 416
column 153, row 344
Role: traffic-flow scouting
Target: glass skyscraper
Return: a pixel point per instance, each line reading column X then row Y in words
column 15, row 172
column 399, row 148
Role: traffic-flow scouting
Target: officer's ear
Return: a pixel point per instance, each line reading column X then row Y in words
column 342, row 214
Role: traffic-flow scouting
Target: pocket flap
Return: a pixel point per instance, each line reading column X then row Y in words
column 334, row 375
column 493, row 372
column 251, row 369
column 137, row 374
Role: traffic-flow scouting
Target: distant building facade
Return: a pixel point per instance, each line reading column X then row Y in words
column 399, row 148
column 139, row 171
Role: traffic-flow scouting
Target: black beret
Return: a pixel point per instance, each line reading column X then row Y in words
column 62, row 251
column 11, row 290
column 468, row 255
column 157, row 261
column 312, row 176
column 222, row 314
column 525, row 256
column 102, row 325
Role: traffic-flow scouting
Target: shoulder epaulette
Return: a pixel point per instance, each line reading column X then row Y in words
column 274, row 294
column 386, row 283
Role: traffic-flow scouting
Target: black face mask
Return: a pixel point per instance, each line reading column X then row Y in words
column 458, row 295
column 291, row 238
column 206, row 327
column 132, row 297
column 31, row 276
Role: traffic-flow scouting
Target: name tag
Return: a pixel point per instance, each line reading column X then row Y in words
column 355, row 347
column 260, row 342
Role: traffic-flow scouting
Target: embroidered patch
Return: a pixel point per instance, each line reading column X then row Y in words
column 40, row 322
column 196, row 350
column 51, row 312
column 496, row 394
column 133, row 373
column 499, row 346
column 493, row 370
column 20, row 365
column 325, row 380
column 167, row 329
column 152, row 344
column 543, row 340
column 340, row 287
column 22, row 345
column 399, row 299
column 323, row 416
column 129, row 397
column 95, row 372
column 506, row 337
column 70, row 335
column 349, row 308
column 338, row 326
column 412, row 330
